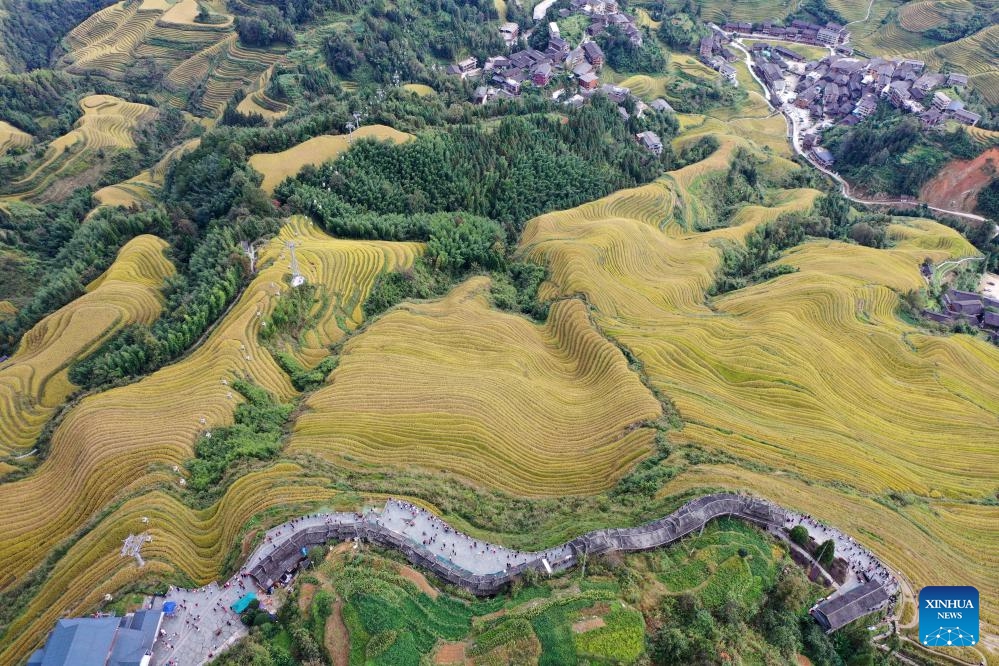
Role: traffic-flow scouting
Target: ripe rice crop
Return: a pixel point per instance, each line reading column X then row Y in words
column 275, row 167
column 186, row 542
column 535, row 409
column 12, row 137
column 988, row 85
column 825, row 381
column 256, row 101
column 920, row 16
column 419, row 89
column 976, row 54
column 107, row 123
column 143, row 187
column 126, row 439
column 33, row 382
column 932, row 542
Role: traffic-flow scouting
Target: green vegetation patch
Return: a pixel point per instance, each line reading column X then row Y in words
column 621, row 639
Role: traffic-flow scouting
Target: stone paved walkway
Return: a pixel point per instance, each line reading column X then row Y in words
column 478, row 557
column 203, row 624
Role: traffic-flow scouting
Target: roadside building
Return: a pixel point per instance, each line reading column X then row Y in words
column 823, row 156
column 101, row 641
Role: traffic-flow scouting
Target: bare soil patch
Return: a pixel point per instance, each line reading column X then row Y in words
column 411, row 574
column 305, row 596
column 589, row 624
column 957, row 185
column 451, row 653
column 335, row 636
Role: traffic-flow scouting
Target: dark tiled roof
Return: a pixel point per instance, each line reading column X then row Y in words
column 844, row 608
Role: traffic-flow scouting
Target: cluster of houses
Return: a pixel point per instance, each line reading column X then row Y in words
column 981, row 312
column 506, row 73
column 830, row 34
column 845, row 90
column 714, row 52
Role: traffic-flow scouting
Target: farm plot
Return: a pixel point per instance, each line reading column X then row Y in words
column 127, row 439
column 932, row 542
column 33, row 382
column 143, row 187
column 12, row 137
column 186, row 543
column 975, row 55
column 454, row 385
column 920, row 16
column 257, row 101
column 107, row 124
column 275, row 167
column 825, row 381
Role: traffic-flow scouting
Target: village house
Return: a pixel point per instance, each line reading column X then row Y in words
column 957, row 80
column 588, row 81
column 542, row 74
column 594, row 54
column 823, row 156
column 509, row 32
column 616, row 94
column 966, row 117
column 660, row 105
column 898, row 93
column 867, row 105
column 650, row 141
column 941, row 100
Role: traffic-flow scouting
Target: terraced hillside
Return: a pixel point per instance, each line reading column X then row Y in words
column 125, row 442
column 11, row 137
column 534, row 409
column 107, row 124
column 33, row 382
column 144, row 186
column 203, row 64
column 257, row 101
column 275, row 167
column 825, row 381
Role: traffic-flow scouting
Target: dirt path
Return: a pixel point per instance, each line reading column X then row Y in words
column 305, row 596
column 335, row 636
column 411, row 574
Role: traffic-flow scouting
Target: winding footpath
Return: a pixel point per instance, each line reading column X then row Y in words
column 792, row 135
column 204, row 624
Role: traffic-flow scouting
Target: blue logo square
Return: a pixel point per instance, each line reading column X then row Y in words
column 948, row 616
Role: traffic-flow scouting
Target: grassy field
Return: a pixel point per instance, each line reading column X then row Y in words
column 391, row 620
column 275, row 167
column 500, row 400
column 106, row 125
column 33, row 382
